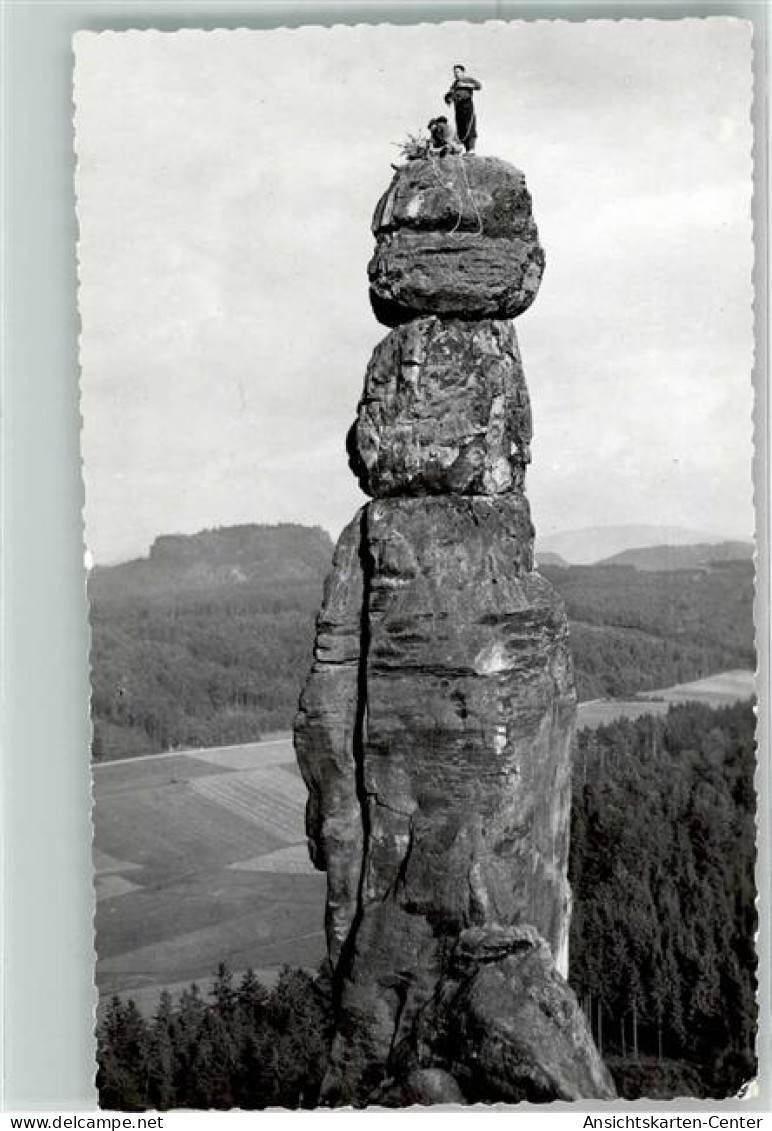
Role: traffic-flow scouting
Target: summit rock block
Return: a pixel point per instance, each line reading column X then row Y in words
column 456, row 238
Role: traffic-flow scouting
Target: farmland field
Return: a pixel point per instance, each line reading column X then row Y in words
column 200, row 856
column 715, row 690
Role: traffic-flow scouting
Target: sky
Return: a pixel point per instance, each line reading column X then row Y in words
column 226, row 182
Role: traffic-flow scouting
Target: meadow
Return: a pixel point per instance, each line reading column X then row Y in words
column 714, row 690
column 201, row 858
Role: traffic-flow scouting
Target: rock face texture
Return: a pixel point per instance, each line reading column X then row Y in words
column 456, row 238
column 512, row 1030
column 435, row 727
column 445, row 410
column 327, row 729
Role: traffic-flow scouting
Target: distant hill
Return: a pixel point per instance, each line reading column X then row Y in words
column 205, row 642
column 698, row 556
column 596, row 543
column 226, row 556
column 548, row 558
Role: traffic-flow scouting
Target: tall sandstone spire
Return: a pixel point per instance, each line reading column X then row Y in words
column 434, row 730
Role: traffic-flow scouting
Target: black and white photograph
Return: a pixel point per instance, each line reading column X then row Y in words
column 417, row 444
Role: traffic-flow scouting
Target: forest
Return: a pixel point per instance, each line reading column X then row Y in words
column 207, row 641
column 241, row 1046
column 662, row 954
column 636, row 630
column 662, row 870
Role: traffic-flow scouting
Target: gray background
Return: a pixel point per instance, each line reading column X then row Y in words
column 47, row 948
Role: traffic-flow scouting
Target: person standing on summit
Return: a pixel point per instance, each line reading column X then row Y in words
column 461, row 95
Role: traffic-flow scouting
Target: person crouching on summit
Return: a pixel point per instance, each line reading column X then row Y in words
column 461, row 95
column 442, row 143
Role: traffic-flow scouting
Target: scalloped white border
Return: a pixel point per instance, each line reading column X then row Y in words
column 19, row 547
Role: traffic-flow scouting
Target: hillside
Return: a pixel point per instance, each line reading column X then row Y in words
column 228, row 556
column 662, row 872
column 634, row 630
column 700, row 556
column 207, row 641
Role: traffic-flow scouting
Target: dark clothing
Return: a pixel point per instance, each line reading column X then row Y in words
column 466, row 124
column 461, row 95
column 442, row 140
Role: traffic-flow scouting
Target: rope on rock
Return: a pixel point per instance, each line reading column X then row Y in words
column 448, row 188
column 472, row 199
column 458, row 201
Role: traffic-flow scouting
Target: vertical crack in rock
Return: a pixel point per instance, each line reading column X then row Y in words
column 326, row 739
column 434, row 731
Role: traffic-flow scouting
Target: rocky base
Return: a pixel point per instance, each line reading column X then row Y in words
column 502, row 1027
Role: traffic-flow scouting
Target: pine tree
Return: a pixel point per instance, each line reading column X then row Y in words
column 161, row 1055
column 301, row 1022
column 255, row 1074
column 191, row 1012
column 121, row 1058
